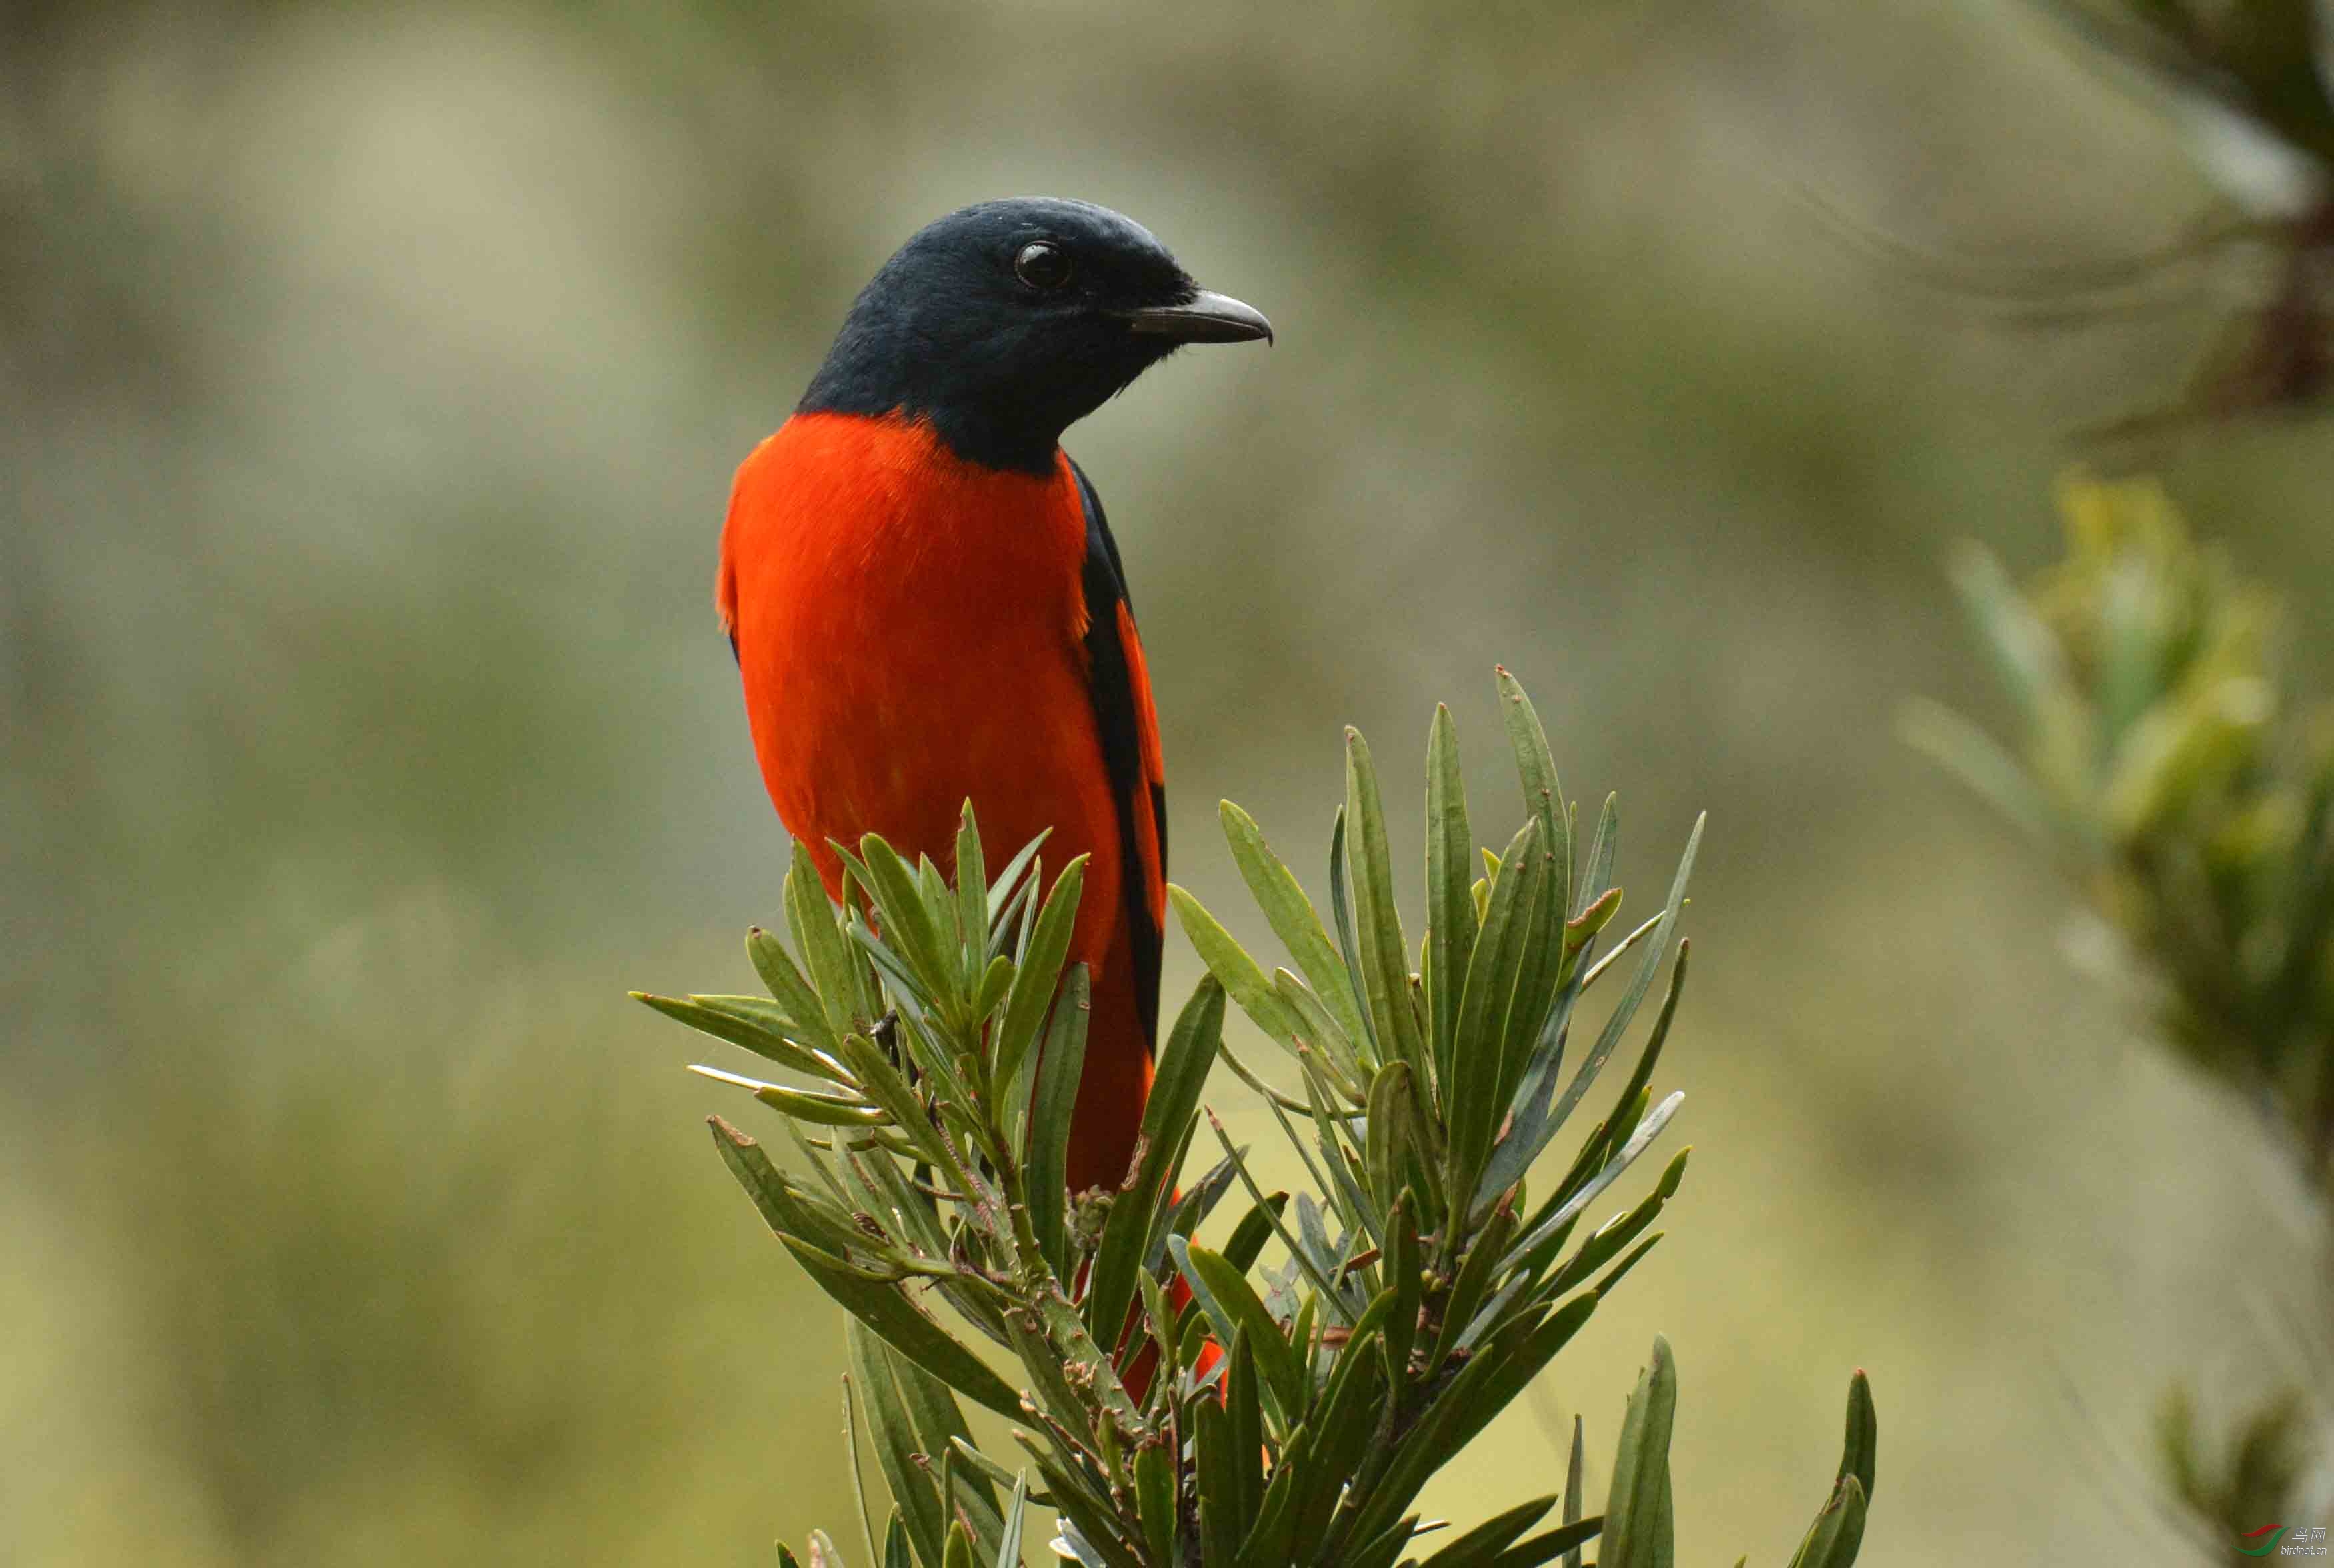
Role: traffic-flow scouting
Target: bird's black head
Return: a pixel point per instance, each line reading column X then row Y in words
column 1004, row 324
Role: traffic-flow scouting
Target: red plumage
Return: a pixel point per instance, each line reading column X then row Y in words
column 913, row 631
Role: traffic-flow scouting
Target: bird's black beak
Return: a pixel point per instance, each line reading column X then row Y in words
column 1204, row 318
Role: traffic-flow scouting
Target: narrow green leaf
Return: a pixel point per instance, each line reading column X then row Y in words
column 1255, row 1228
column 1040, row 966
column 1838, row 1533
column 1564, row 1541
column 1613, row 1276
column 884, row 1308
column 1059, row 1066
column 1497, row 960
column 858, row 1471
column 1270, row 1212
column 1609, row 1238
column 756, row 1028
column 939, row 1425
column 1494, row 1535
column 1268, row 1539
column 1596, row 971
column 1859, row 1455
column 1539, row 988
column 1284, row 1380
column 1167, row 1115
column 1325, row 1255
column 1240, row 974
column 1244, row 1415
column 1008, row 1549
column 1602, row 847
column 1189, row 1211
column 1333, row 1045
column 793, row 992
column 1382, row 1550
column 1009, row 935
column 1341, row 909
column 910, row 994
column 1006, row 889
column 1450, row 870
column 1474, row 1281
column 1085, row 1517
column 1490, row 1380
column 826, row 954
column 1404, row 1278
column 1385, row 966
column 971, row 898
column 1154, row 1499
column 1529, row 1127
column 823, row 1110
column 1639, row 984
column 907, row 923
column 1589, row 924
column 996, row 982
column 1574, row 1477
column 1642, row 1078
column 1388, row 1131
column 1221, row 1515
column 1293, row 919
column 1640, row 1519
column 971, row 1458
column 1342, row 1435
column 1352, row 1194
column 940, row 907
column 912, row 1487
column 1543, row 790
column 1159, row 1317
column 857, row 904
column 1304, row 1338
column 1639, row 1141
column 883, row 1085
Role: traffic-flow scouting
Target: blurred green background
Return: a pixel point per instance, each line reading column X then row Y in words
column 370, row 379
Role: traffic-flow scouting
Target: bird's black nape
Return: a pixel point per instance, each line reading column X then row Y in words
column 1002, row 324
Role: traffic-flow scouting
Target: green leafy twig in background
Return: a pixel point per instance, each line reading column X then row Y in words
column 2160, row 761
column 2192, row 802
column 1291, row 1412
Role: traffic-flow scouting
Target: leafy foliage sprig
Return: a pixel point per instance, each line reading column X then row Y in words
column 2191, row 800
column 1187, row 1404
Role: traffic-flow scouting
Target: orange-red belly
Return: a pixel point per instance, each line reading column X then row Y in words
column 910, row 634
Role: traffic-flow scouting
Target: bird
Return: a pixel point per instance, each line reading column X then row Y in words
column 926, row 605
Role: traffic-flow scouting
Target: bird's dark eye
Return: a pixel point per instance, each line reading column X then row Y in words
column 1042, row 264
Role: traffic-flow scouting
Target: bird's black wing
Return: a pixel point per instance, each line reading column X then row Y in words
column 1128, row 725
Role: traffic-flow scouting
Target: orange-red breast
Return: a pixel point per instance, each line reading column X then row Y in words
column 927, row 606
